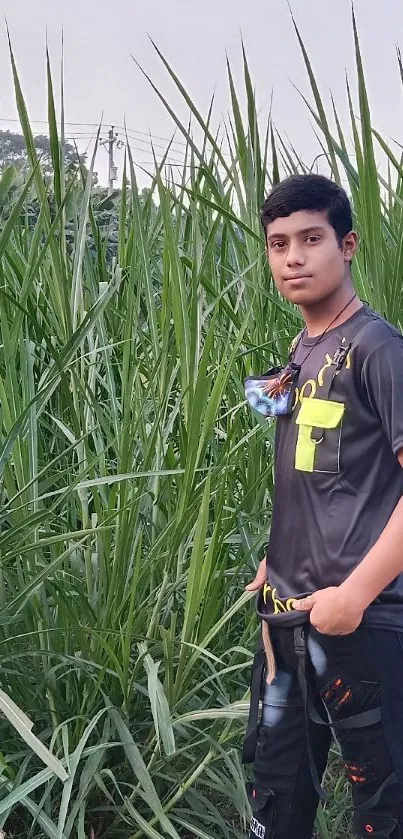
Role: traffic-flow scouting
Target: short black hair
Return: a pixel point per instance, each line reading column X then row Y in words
column 309, row 192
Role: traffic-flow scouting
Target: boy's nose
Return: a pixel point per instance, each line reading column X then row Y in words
column 295, row 256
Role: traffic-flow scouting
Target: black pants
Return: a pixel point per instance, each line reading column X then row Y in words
column 348, row 677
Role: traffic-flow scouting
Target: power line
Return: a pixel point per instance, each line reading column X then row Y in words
column 83, row 135
column 150, row 136
column 46, row 122
column 112, row 141
column 97, row 124
column 80, row 135
column 132, row 134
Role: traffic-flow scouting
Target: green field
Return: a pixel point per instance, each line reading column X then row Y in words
column 136, row 486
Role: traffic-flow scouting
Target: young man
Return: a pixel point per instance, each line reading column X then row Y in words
column 331, row 586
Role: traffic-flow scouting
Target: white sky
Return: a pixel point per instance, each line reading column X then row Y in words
column 102, row 79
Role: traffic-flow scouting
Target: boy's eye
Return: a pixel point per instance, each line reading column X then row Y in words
column 312, row 239
column 277, row 245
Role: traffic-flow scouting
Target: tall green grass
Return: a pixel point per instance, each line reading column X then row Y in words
column 136, row 487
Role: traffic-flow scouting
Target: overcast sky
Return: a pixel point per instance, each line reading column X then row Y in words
column 101, row 78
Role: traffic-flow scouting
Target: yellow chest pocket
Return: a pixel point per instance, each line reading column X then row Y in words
column 323, row 455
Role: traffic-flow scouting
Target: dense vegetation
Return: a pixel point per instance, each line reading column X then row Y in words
column 136, row 487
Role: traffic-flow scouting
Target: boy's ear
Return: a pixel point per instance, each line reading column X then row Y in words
column 350, row 245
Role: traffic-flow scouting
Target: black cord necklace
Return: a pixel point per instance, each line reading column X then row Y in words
column 322, row 334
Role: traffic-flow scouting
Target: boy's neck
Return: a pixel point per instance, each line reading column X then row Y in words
column 319, row 317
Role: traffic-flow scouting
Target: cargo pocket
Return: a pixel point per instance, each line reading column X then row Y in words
column 323, row 454
column 374, row 825
column 261, row 799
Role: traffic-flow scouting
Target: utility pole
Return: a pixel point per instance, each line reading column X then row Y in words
column 109, row 144
column 112, row 168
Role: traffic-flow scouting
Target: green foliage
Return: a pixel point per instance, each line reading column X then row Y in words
column 13, row 152
column 136, row 487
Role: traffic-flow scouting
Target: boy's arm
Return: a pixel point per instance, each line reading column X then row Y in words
column 382, row 564
column 339, row 610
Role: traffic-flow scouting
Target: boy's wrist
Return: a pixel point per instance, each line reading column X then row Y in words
column 355, row 596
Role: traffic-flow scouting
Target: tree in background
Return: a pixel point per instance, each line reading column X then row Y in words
column 105, row 207
column 13, row 151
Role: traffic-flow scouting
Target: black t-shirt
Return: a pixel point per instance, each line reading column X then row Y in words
column 333, row 498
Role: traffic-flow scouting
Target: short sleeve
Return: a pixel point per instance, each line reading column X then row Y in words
column 382, row 379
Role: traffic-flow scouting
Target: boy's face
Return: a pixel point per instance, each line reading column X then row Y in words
column 306, row 260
